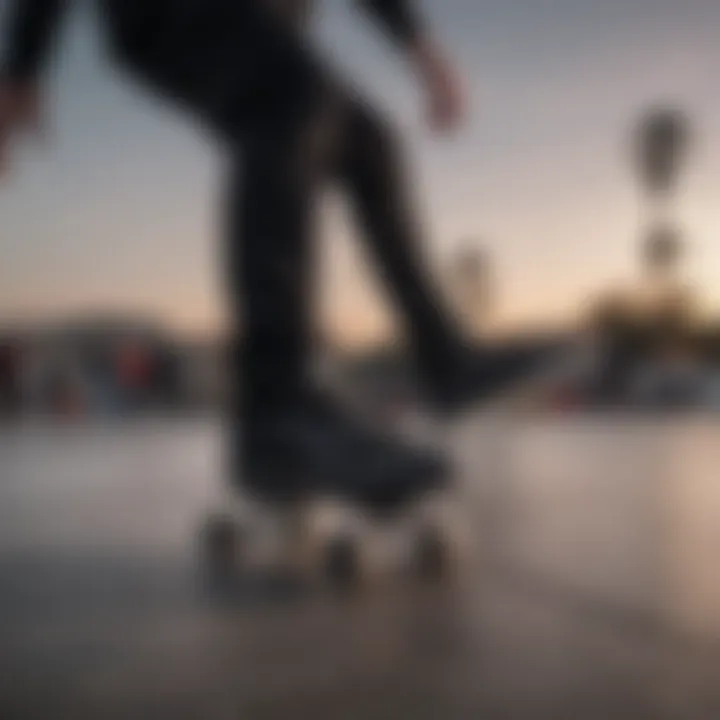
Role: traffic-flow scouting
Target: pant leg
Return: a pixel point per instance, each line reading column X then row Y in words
column 273, row 193
column 371, row 170
column 252, row 81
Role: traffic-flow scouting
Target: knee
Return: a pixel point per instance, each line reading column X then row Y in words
column 300, row 133
column 291, row 92
column 375, row 139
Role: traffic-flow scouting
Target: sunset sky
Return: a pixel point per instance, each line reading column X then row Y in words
column 119, row 211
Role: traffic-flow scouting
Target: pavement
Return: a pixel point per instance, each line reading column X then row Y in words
column 592, row 588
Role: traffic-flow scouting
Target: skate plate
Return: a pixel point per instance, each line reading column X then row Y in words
column 332, row 543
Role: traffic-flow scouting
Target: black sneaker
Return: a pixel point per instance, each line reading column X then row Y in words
column 472, row 377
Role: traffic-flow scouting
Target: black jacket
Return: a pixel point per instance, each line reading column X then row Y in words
column 31, row 26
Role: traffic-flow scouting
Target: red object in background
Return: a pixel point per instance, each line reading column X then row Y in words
column 134, row 366
column 567, row 400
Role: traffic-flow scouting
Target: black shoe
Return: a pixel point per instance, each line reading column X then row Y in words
column 471, row 377
column 317, row 448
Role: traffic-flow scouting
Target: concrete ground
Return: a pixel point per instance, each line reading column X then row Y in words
column 592, row 589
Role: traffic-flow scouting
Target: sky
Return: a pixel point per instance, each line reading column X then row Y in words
column 118, row 210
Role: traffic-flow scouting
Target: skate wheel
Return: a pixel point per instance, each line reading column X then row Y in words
column 343, row 563
column 221, row 546
column 433, row 554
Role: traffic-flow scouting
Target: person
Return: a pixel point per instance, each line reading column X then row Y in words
column 247, row 71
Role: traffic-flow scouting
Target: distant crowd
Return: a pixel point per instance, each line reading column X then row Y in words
column 72, row 374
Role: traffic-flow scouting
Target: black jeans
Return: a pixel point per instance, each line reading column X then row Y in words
column 291, row 129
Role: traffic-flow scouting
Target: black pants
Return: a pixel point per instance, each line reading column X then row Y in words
column 290, row 128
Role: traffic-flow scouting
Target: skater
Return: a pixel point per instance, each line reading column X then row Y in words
column 245, row 68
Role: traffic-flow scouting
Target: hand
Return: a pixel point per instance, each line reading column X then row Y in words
column 19, row 114
column 446, row 97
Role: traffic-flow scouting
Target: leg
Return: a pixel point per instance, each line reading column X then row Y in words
column 250, row 80
column 273, row 192
column 372, row 171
